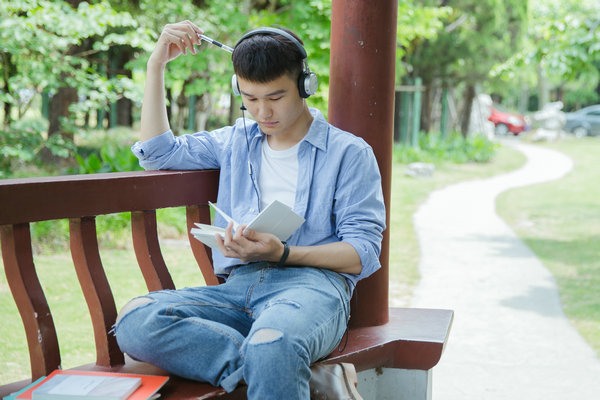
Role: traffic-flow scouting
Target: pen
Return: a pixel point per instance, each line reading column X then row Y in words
column 218, row 44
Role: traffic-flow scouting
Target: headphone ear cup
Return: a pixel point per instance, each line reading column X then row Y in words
column 307, row 84
column 234, row 85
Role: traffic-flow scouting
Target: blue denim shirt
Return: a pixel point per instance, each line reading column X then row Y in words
column 338, row 191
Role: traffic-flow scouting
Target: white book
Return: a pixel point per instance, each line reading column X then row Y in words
column 277, row 219
column 79, row 387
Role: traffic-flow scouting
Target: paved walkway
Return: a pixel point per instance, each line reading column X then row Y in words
column 510, row 338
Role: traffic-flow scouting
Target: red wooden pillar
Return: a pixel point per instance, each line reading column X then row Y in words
column 361, row 101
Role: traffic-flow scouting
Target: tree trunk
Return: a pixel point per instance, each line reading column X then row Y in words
column 58, row 109
column 467, row 109
column 8, row 69
column 169, row 103
column 120, row 56
column 59, row 106
column 543, row 88
column 203, row 110
column 182, row 108
column 426, row 107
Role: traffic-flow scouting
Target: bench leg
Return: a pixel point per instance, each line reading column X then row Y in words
column 396, row 384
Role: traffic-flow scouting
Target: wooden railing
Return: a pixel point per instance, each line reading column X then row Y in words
column 410, row 339
column 81, row 198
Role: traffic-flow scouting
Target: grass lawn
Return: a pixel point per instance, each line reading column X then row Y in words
column 69, row 311
column 560, row 222
column 57, row 274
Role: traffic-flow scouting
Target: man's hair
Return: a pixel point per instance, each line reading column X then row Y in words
column 264, row 57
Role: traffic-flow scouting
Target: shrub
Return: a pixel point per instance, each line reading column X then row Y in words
column 434, row 149
column 19, row 144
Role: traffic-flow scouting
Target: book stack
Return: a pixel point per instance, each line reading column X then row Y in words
column 80, row 385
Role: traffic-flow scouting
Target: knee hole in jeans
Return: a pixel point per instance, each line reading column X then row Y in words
column 132, row 305
column 265, row 335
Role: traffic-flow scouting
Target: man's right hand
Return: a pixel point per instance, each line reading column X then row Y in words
column 175, row 39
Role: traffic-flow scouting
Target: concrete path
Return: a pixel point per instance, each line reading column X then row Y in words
column 510, row 338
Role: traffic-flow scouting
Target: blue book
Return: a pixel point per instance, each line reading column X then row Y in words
column 81, row 387
column 13, row 396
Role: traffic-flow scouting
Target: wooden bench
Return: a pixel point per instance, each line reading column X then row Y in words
column 407, row 346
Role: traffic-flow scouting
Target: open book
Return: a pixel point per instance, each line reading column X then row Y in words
column 277, row 218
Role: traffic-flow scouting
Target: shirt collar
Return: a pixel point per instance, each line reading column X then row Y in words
column 318, row 131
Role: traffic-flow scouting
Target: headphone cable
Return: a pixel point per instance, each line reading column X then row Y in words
column 250, row 171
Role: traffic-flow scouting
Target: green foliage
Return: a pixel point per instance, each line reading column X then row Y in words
column 416, row 24
column 575, row 99
column 456, row 149
column 477, row 35
column 311, row 20
column 109, row 158
column 105, row 151
column 47, row 45
column 20, row 143
column 562, row 45
column 50, row 235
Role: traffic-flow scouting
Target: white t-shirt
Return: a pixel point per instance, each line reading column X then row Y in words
column 278, row 176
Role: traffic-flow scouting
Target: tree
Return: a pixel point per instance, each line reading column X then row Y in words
column 50, row 46
column 478, row 34
column 562, row 50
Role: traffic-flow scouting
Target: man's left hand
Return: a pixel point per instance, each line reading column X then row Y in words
column 249, row 245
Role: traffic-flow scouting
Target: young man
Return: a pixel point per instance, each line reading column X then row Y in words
column 284, row 305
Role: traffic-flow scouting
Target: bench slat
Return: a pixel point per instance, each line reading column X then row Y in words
column 412, row 339
column 44, row 354
column 147, row 251
column 201, row 252
column 96, row 289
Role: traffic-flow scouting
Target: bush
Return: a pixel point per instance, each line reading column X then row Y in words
column 109, row 158
column 20, row 143
column 105, row 151
column 455, row 148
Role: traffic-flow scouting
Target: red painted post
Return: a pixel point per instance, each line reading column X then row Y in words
column 361, row 101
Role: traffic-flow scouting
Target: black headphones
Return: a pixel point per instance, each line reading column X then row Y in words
column 307, row 81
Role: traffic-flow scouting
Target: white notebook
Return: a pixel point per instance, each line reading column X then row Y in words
column 277, row 218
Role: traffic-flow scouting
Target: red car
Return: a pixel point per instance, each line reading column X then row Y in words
column 506, row 122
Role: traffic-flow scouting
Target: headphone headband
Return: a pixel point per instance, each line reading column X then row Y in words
column 307, row 81
column 274, row 31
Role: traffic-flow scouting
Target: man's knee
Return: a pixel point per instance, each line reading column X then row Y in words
column 265, row 335
column 132, row 305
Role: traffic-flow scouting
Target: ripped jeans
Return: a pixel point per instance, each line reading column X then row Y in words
column 265, row 325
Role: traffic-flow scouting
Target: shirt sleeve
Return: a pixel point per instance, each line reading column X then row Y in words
column 201, row 150
column 360, row 209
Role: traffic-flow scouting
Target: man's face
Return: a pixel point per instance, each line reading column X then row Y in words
column 275, row 105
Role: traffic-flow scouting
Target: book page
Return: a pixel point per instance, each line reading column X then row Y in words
column 73, row 384
column 277, row 219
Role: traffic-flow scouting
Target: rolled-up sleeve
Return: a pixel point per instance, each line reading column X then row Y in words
column 360, row 209
column 188, row 152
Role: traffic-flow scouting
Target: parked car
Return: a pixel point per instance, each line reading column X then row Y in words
column 584, row 122
column 506, row 121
